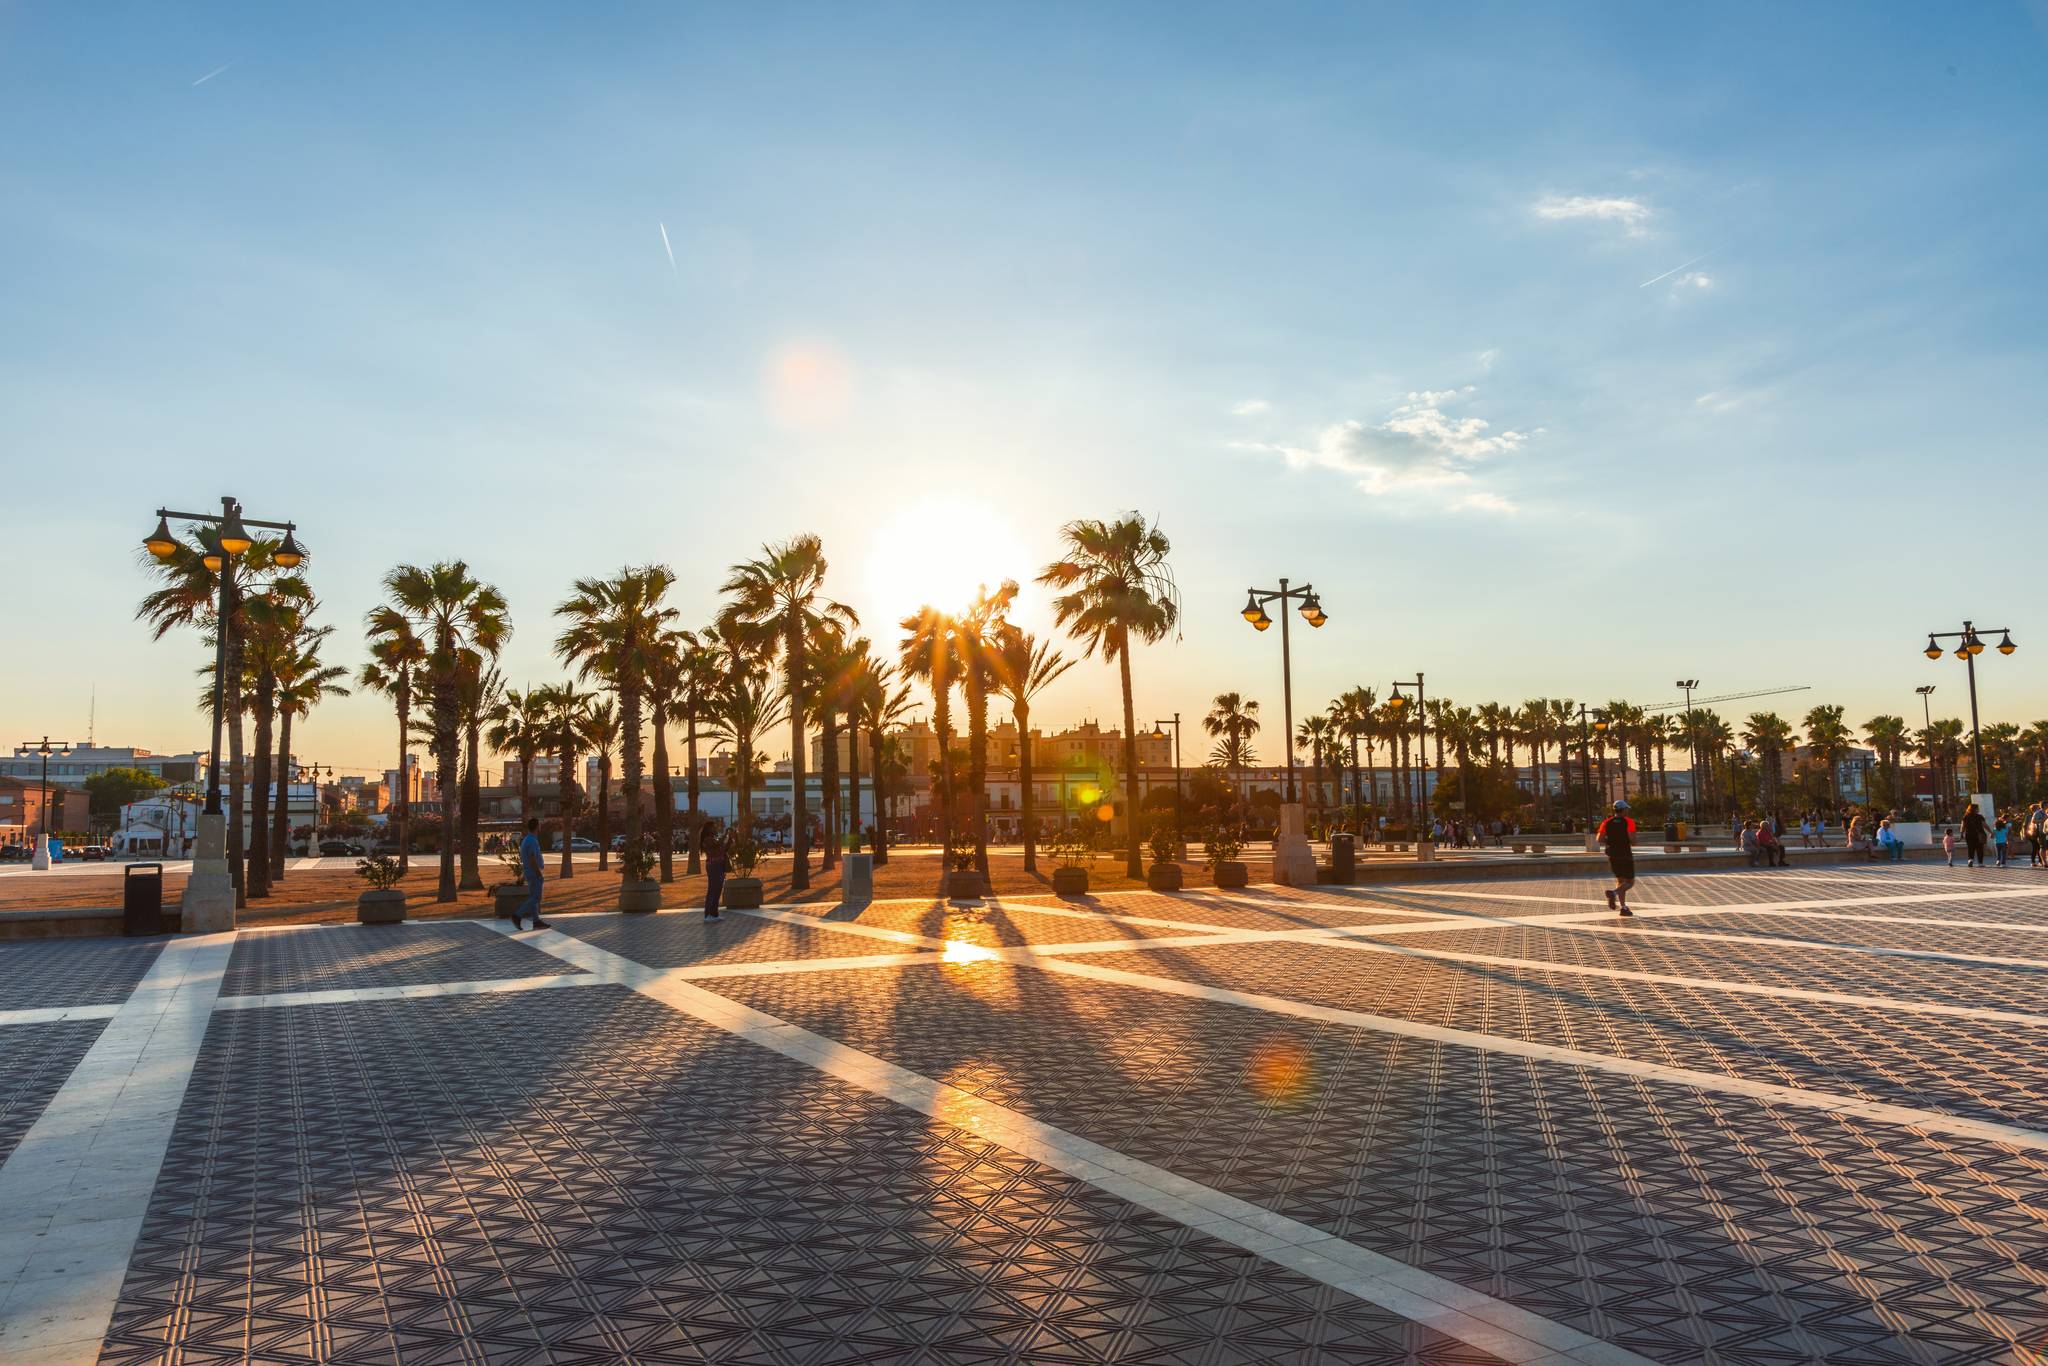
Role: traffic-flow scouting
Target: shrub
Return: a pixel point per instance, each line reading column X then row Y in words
column 636, row 861
column 1164, row 840
column 515, row 867
column 742, row 854
column 381, row 871
column 1071, row 848
column 1222, row 843
column 960, row 853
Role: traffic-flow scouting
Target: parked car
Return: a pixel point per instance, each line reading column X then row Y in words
column 579, row 845
column 88, row 853
column 14, row 853
column 339, row 849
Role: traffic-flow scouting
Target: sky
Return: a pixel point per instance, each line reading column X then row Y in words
column 1567, row 350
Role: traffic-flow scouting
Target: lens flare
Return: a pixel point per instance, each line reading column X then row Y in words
column 960, row 951
column 1280, row 1070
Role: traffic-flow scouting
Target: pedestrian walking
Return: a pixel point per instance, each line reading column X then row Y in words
column 2001, row 836
column 714, row 871
column 1975, row 828
column 1948, row 844
column 2037, row 833
column 530, row 867
column 1616, row 832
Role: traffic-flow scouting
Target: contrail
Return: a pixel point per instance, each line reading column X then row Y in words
column 1674, row 270
column 666, row 247
column 211, row 74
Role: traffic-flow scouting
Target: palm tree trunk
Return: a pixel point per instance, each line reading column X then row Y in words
column 853, row 774
column 401, row 798
column 570, row 799
column 448, row 774
column 472, row 805
column 258, row 883
column 800, row 821
column 664, row 794
column 280, row 819
column 881, row 797
column 526, row 757
column 696, row 820
column 977, row 761
column 942, row 723
column 1030, row 792
column 1134, row 864
column 631, row 755
column 828, row 724
column 604, row 812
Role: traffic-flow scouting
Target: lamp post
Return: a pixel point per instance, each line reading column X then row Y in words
column 1969, row 645
column 1926, row 690
column 1312, row 613
column 1598, row 721
column 1159, row 733
column 46, row 748
column 1418, row 800
column 213, row 889
column 1692, row 745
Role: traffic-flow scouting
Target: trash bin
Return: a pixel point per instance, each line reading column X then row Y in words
column 1343, row 858
column 142, row 899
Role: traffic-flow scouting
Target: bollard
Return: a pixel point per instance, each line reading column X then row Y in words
column 856, row 879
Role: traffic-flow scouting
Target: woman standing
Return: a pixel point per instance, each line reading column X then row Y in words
column 713, row 849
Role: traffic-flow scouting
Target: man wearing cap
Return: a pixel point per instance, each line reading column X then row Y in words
column 1621, row 856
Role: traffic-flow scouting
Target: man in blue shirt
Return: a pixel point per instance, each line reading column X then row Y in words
column 529, row 864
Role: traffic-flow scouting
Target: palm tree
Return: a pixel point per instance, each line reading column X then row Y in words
column 303, row 678
column 1768, row 735
column 666, row 692
column 614, row 630
column 453, row 612
column 271, row 622
column 1942, row 746
column 519, row 726
column 1024, row 666
column 929, row 655
column 879, row 707
column 1117, row 589
column 839, row 688
column 781, row 595
column 599, row 728
column 697, row 686
column 1353, row 711
column 1887, row 736
column 1537, row 730
column 831, row 662
column 397, row 658
column 1463, row 729
column 1829, row 738
column 1231, row 722
column 1316, row 733
column 565, row 708
column 2002, row 739
column 2035, row 739
column 479, row 686
column 977, row 633
column 745, row 708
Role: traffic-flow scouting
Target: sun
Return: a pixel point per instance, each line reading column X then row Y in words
column 940, row 549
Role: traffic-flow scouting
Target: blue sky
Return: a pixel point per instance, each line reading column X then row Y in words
column 1568, row 350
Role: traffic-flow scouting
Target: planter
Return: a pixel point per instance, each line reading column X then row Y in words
column 1233, row 875
column 1425, row 851
column 638, row 898
column 742, row 893
column 967, row 886
column 507, row 898
column 1070, row 882
column 1163, row 877
column 381, row 907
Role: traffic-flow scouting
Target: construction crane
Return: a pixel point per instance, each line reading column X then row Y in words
column 1730, row 697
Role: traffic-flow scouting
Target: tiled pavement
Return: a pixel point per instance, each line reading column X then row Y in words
column 1779, row 1117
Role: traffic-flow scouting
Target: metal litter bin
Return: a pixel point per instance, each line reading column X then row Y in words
column 142, row 899
column 1344, row 858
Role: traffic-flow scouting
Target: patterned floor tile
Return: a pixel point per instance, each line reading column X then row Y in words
column 34, row 1061
column 40, row 973
column 991, row 925
column 586, row 1176
column 346, row 957
column 1684, row 1225
column 1879, row 934
column 1980, row 1069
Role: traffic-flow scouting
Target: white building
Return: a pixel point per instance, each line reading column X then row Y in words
column 166, row 823
column 86, row 761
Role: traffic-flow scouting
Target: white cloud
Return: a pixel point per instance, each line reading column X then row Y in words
column 1488, row 357
column 1719, row 401
column 1417, row 449
column 1251, row 407
column 1632, row 214
column 1694, row 279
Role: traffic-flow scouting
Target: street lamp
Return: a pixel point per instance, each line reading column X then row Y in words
column 1598, row 721
column 1692, row 742
column 231, row 540
column 1970, row 644
column 1311, row 612
column 1418, row 800
column 1159, row 733
column 46, row 747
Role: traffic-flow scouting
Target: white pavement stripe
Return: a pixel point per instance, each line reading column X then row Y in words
column 1842, row 998
column 57, row 1014
column 1058, row 958
column 1823, row 909
column 412, row 992
column 74, row 1191
column 1822, row 945
column 1474, row 1318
